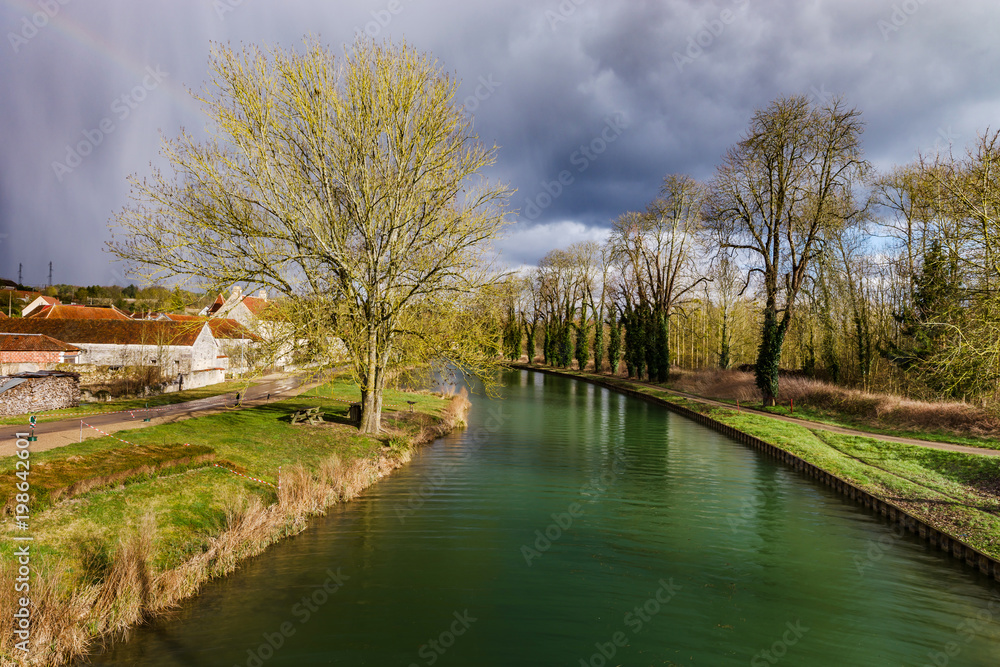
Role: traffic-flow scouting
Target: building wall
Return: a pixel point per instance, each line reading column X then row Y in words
column 29, row 362
column 196, row 363
column 37, row 394
column 205, row 351
column 34, row 356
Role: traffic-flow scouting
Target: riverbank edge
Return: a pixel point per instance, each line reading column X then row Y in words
column 248, row 536
column 894, row 514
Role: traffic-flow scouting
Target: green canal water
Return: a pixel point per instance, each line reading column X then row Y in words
column 569, row 525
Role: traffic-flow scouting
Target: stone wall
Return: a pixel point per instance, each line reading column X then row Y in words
column 38, row 394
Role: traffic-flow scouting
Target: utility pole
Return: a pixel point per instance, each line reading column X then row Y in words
column 50, row 274
column 20, row 267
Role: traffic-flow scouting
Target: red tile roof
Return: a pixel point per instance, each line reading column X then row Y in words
column 33, row 343
column 113, row 332
column 217, row 304
column 60, row 311
column 225, row 328
column 255, row 304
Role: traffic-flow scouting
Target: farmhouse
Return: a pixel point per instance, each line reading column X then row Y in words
column 260, row 316
column 185, row 352
column 245, row 309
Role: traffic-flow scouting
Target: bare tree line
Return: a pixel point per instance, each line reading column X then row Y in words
column 796, row 256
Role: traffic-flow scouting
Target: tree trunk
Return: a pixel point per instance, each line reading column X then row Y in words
column 769, row 355
column 530, row 334
column 599, row 343
column 663, row 346
column 371, row 392
column 724, row 342
column 371, row 413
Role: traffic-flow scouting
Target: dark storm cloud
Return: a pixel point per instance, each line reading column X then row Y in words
column 592, row 102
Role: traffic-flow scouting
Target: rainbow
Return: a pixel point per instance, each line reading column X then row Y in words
column 60, row 22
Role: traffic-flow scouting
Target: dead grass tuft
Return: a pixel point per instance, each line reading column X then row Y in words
column 883, row 410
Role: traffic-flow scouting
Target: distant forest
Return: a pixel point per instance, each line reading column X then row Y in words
column 130, row 298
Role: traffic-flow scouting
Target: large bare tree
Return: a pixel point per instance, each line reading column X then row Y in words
column 774, row 198
column 346, row 185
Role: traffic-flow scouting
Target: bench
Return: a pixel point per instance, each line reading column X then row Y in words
column 311, row 416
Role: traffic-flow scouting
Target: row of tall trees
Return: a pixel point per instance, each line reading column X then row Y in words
column 795, row 255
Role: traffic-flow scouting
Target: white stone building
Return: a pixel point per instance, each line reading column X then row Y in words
column 186, row 352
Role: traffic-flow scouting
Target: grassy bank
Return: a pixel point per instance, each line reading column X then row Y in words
column 886, row 414
column 956, row 492
column 129, row 542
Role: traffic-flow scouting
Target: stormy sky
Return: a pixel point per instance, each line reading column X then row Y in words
column 608, row 95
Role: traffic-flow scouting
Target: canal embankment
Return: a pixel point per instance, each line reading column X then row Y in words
column 949, row 497
column 120, row 529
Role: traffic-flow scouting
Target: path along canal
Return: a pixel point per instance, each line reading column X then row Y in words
column 569, row 525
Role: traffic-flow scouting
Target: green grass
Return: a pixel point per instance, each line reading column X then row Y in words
column 843, row 420
column 131, row 403
column 66, row 476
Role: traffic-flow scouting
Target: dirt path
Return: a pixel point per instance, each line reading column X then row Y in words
column 67, row 431
column 815, row 426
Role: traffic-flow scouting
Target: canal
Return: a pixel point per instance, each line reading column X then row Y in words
column 569, row 525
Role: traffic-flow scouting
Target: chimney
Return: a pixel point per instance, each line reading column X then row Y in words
column 262, row 295
column 236, row 293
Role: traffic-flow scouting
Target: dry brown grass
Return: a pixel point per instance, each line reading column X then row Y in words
column 882, row 410
column 113, row 596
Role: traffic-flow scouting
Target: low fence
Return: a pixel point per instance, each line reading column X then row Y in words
column 894, row 514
